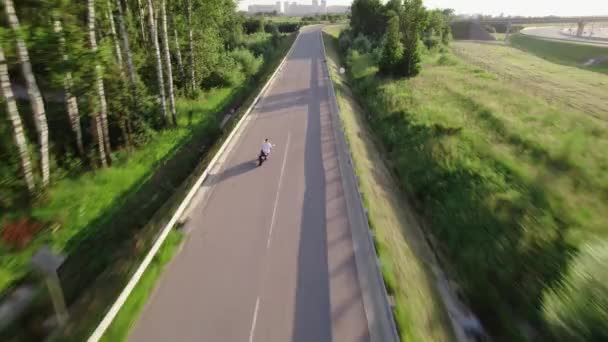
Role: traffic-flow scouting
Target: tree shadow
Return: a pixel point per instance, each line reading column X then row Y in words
column 312, row 319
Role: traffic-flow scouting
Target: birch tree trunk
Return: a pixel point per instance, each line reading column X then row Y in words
column 125, row 44
column 114, row 35
column 13, row 115
column 142, row 20
column 178, row 50
column 168, row 67
column 70, row 99
column 159, row 65
column 33, row 93
column 191, row 47
column 101, row 116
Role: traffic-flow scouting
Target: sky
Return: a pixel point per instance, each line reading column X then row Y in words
column 494, row 7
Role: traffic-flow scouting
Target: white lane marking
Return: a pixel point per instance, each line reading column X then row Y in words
column 255, row 318
column 276, row 198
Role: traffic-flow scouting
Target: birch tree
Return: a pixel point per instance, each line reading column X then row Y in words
column 35, row 98
column 159, row 65
column 101, row 114
column 13, row 115
column 191, row 47
column 70, row 99
column 125, row 43
column 115, row 39
column 178, row 52
column 167, row 55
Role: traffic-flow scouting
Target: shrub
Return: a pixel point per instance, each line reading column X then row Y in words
column 253, row 25
column 578, row 310
column 431, row 42
column 227, row 72
column 248, row 63
column 362, row 44
column 271, row 27
column 286, row 27
column 18, row 234
column 345, row 40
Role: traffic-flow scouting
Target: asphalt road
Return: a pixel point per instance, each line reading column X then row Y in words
column 553, row 32
column 269, row 253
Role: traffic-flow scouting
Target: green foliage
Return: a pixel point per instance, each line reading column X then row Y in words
column 578, row 310
column 563, row 52
column 392, row 49
column 253, row 25
column 502, row 190
column 367, row 18
column 362, row 44
column 248, row 63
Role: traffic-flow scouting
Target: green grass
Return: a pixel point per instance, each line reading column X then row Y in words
column 503, row 154
column 565, row 53
column 499, row 36
column 70, row 213
column 419, row 312
column 126, row 318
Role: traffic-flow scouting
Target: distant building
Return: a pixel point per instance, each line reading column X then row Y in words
column 295, row 9
column 264, row 8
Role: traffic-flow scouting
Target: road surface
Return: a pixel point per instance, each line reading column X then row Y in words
column 554, row 33
column 269, row 254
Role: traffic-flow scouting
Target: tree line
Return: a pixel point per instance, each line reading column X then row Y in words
column 395, row 30
column 82, row 79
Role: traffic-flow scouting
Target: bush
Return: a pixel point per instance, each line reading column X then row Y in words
column 362, row 44
column 271, row 28
column 431, row 42
column 253, row 25
column 578, row 311
column 490, row 28
column 286, row 27
column 248, row 63
column 345, row 40
column 228, row 72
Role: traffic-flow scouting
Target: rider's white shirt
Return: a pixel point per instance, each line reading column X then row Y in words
column 266, row 147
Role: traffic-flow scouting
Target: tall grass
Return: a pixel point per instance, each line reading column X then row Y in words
column 510, row 182
column 570, row 54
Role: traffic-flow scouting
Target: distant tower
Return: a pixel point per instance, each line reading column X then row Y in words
column 278, row 7
column 315, row 6
column 323, row 6
column 286, row 7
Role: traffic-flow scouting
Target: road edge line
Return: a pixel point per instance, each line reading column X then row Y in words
column 376, row 303
column 124, row 295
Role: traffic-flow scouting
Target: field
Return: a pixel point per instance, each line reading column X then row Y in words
column 503, row 154
column 399, row 240
column 565, row 53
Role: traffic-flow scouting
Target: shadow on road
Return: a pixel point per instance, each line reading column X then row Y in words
column 312, row 320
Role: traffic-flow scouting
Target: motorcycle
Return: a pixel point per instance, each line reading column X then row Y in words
column 262, row 158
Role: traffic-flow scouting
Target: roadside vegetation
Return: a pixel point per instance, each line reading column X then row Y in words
column 106, row 122
column 507, row 169
column 400, row 244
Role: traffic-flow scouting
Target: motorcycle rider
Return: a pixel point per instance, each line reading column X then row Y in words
column 266, row 148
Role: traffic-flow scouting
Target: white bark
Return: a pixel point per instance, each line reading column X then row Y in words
column 13, row 115
column 33, row 93
column 168, row 67
column 142, row 19
column 125, row 44
column 178, row 51
column 159, row 64
column 101, row 117
column 70, row 99
column 114, row 35
column 191, row 46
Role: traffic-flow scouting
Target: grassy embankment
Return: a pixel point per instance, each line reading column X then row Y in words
column 125, row 197
column 503, row 154
column 400, row 244
column 565, row 53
